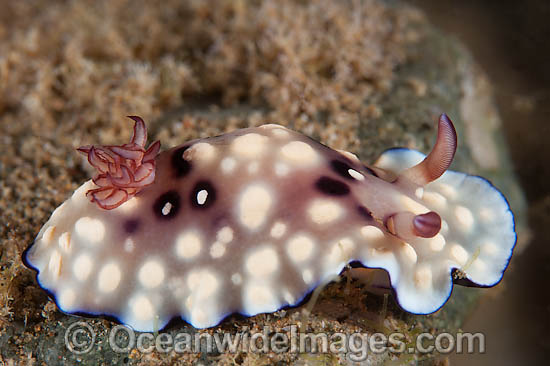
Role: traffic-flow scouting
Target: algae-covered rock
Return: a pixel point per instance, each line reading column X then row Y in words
column 363, row 76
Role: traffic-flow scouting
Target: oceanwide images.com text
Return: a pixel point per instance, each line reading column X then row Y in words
column 80, row 338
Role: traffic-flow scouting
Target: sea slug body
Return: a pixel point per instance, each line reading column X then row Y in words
column 253, row 220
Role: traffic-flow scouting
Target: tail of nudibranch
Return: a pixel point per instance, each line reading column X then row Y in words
column 456, row 223
column 123, row 170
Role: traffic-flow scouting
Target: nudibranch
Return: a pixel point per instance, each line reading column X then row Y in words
column 253, row 220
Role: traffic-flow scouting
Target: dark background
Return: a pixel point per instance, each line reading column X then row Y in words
column 511, row 42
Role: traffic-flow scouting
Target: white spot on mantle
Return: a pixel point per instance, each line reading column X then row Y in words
column 437, row 242
column 250, row 145
column 142, row 308
column 228, row 164
column 262, row 262
column 151, row 273
column 307, row 276
column 281, row 169
column 217, row 250
column 409, row 252
column 91, row 230
column 464, row 217
column 324, row 211
column 65, row 242
column 259, row 298
column 203, row 283
column 167, row 208
column 188, row 245
column 82, row 266
column 48, row 235
column 278, row 230
column 355, row 174
column 54, row 265
column 109, row 277
column 201, row 151
column 225, row 235
column 254, row 204
column 202, row 196
column 373, row 233
column 300, row 248
column 299, row 152
column 435, row 199
column 277, row 130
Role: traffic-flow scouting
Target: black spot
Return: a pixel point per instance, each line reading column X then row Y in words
column 341, row 169
column 181, row 166
column 131, row 226
column 363, row 211
column 210, row 198
column 332, row 187
column 171, row 197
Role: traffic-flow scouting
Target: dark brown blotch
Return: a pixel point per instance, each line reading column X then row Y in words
column 171, row 197
column 210, row 198
column 332, row 187
column 180, row 166
column 131, row 226
column 341, row 168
